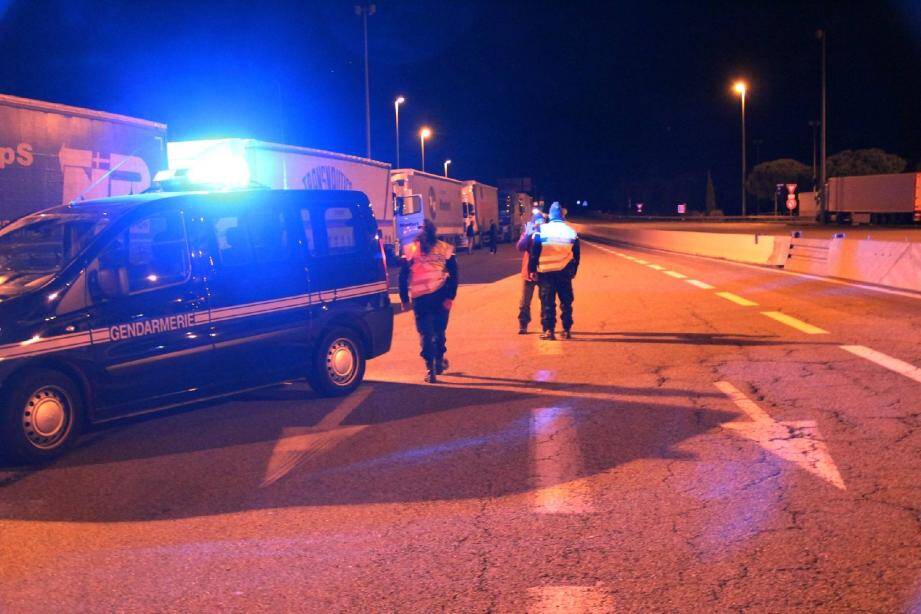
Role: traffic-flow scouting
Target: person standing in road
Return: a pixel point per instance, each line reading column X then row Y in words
column 554, row 263
column 528, row 284
column 470, row 235
column 428, row 276
column 493, row 237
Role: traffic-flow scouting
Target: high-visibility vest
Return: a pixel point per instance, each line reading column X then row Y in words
column 556, row 241
column 428, row 272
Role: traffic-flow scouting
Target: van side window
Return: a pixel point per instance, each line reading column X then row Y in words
column 233, row 242
column 308, row 231
column 152, row 253
column 258, row 237
column 269, row 236
column 340, row 231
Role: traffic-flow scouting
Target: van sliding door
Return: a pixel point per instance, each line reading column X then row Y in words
column 258, row 291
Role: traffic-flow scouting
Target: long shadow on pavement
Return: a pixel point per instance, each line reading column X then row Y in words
column 404, row 443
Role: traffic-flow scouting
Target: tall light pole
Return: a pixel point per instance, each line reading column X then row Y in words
column 363, row 11
column 424, row 134
column 396, row 114
column 823, row 178
column 741, row 88
column 814, row 124
column 447, row 162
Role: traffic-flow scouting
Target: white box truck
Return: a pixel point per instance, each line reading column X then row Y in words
column 480, row 205
column 514, row 212
column 875, row 199
column 243, row 162
column 419, row 196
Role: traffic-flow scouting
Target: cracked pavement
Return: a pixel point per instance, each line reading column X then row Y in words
column 440, row 503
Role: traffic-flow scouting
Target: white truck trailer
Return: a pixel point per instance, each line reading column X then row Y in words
column 875, row 199
column 242, row 162
column 53, row 153
column 422, row 196
column 480, row 205
column 515, row 210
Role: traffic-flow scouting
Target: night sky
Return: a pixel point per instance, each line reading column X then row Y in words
column 586, row 97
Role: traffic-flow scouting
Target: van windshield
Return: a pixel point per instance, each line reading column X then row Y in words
column 36, row 247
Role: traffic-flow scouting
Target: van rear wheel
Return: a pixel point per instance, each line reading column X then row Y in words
column 41, row 417
column 339, row 364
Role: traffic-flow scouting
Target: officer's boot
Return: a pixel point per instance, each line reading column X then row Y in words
column 441, row 365
column 430, row 372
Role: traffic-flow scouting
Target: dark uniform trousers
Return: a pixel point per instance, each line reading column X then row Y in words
column 431, row 324
column 524, row 305
column 553, row 285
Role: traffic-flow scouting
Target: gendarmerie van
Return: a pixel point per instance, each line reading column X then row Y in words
column 121, row 306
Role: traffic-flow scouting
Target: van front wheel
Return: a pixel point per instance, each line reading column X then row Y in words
column 41, row 416
column 339, row 364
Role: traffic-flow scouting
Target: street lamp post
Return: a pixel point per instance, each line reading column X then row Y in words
column 741, row 88
column 447, row 162
column 814, row 124
column 364, row 10
column 823, row 178
column 424, row 134
column 396, row 113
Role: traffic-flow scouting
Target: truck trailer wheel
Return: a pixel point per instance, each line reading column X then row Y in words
column 41, row 417
column 339, row 363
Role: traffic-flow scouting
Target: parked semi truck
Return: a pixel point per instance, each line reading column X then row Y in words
column 52, row 154
column 480, row 205
column 249, row 162
column 870, row 199
column 418, row 196
column 514, row 212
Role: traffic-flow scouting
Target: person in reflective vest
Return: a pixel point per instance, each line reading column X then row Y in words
column 528, row 284
column 554, row 263
column 428, row 278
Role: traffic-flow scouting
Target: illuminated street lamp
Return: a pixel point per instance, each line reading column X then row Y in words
column 741, row 88
column 396, row 113
column 424, row 134
column 447, row 162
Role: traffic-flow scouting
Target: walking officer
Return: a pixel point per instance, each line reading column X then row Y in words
column 554, row 262
column 428, row 275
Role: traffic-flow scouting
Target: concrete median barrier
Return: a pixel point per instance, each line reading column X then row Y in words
column 752, row 249
column 885, row 263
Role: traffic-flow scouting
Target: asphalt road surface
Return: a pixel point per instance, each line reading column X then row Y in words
column 715, row 437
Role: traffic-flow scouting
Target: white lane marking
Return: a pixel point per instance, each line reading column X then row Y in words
column 638, row 261
column 699, row 284
column 349, row 404
column 792, row 322
column 893, row 364
column 657, row 267
column 798, row 442
column 298, row 444
column 676, row 274
column 557, row 461
column 569, row 600
column 735, row 298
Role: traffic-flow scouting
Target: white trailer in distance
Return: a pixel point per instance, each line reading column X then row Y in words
column 480, row 205
column 422, row 196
